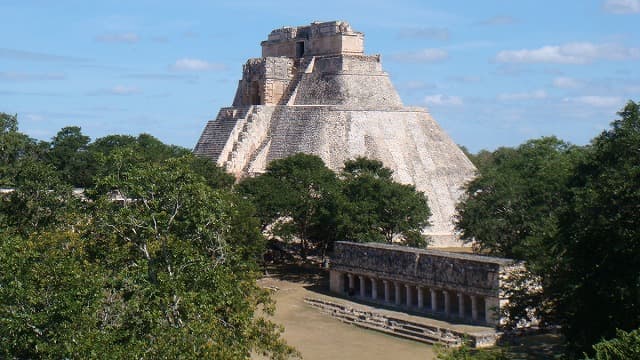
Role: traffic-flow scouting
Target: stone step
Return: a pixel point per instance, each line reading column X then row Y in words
column 386, row 323
column 214, row 137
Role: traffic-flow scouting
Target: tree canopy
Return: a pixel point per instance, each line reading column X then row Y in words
column 572, row 214
column 377, row 209
column 597, row 285
column 511, row 207
column 304, row 198
column 302, row 192
column 168, row 271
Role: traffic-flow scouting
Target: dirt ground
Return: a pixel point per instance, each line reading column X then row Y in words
column 319, row 336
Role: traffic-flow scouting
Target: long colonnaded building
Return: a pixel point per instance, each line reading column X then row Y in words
column 315, row 91
column 458, row 286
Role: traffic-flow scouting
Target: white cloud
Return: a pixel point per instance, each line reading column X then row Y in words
column 622, row 6
column 532, row 95
column 597, row 101
column 121, row 90
column 32, row 117
column 564, row 82
column 445, row 100
column 129, row 38
column 464, row 79
column 187, row 64
column 426, row 33
column 423, row 56
column 19, row 77
column 14, row 54
column 417, row 84
column 124, row 90
column 569, row 53
column 498, row 20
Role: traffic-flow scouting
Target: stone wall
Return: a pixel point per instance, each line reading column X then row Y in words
column 317, row 39
column 264, row 81
column 350, row 80
column 472, row 274
column 465, row 287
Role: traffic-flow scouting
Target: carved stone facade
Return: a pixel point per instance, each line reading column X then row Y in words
column 315, row 91
column 317, row 39
column 460, row 286
column 264, row 81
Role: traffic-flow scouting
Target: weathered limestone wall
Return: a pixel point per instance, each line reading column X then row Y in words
column 409, row 142
column 461, row 286
column 356, row 81
column 264, row 81
column 327, row 38
column 472, row 274
column 251, row 137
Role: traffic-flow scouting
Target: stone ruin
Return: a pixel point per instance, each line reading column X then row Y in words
column 315, row 91
column 462, row 287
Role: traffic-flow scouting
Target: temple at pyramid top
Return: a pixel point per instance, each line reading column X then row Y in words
column 318, row 64
column 315, row 91
column 319, row 38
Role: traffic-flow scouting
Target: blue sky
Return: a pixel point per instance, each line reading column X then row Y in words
column 493, row 73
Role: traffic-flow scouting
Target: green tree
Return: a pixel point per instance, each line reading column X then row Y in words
column 169, row 273
column 69, row 155
column 40, row 200
column 377, row 209
column 597, row 285
column 8, row 122
column 193, row 290
column 14, row 147
column 115, row 154
column 155, row 150
column 465, row 352
column 511, row 207
column 626, row 345
column 107, row 144
column 49, row 297
column 301, row 189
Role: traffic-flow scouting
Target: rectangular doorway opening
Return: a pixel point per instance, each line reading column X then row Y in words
column 300, row 49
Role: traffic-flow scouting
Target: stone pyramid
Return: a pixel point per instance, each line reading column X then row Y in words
column 314, row 91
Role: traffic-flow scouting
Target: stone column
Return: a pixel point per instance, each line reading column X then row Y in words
column 447, row 304
column 420, row 297
column 407, row 288
column 461, row 305
column 352, row 283
column 434, row 300
column 336, row 281
column 374, row 288
column 397, row 288
column 491, row 308
column 474, row 308
column 363, row 285
column 387, row 294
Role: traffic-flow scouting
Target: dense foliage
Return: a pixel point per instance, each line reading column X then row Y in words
column 572, row 214
column 377, row 209
column 299, row 193
column 626, row 345
column 511, row 208
column 300, row 197
column 597, row 286
column 465, row 352
column 160, row 261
